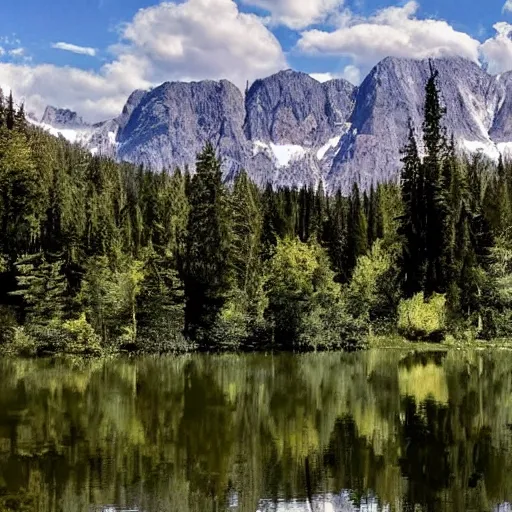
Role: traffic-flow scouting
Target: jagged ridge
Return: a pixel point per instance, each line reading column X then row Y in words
column 291, row 130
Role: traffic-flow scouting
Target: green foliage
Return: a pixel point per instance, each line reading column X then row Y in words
column 420, row 319
column 209, row 270
column 372, row 292
column 98, row 255
column 20, row 343
column 81, row 337
column 305, row 308
column 160, row 306
column 42, row 286
column 109, row 294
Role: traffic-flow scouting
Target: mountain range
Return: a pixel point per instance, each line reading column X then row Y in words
column 291, row 130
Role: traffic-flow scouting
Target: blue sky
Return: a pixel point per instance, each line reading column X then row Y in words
column 90, row 54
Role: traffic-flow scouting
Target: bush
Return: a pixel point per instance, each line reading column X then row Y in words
column 8, row 323
column 419, row 319
column 332, row 328
column 20, row 343
column 159, row 342
column 80, row 337
column 372, row 292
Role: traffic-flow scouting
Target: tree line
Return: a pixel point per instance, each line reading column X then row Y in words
column 98, row 255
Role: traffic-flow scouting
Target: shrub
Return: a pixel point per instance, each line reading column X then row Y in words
column 419, row 319
column 80, row 337
column 20, row 343
column 372, row 291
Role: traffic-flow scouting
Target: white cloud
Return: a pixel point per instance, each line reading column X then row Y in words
column 17, row 52
column 297, row 14
column 202, row 39
column 68, row 47
column 496, row 52
column 507, row 7
column 394, row 31
column 323, row 77
column 2, row 51
column 191, row 40
column 350, row 73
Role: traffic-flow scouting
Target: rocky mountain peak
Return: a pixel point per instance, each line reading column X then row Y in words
column 291, row 130
column 62, row 118
column 291, row 107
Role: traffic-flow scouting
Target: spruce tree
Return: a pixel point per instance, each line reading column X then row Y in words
column 357, row 229
column 160, row 305
column 336, row 236
column 435, row 144
column 246, row 239
column 2, row 109
column 42, row 286
column 412, row 226
column 10, row 113
column 209, row 267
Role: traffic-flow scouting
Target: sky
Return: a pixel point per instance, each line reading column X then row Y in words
column 90, row 55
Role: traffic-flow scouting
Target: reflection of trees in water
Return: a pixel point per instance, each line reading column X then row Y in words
column 203, row 433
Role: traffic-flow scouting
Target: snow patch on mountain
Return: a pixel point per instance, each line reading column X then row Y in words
column 283, row 154
column 287, row 153
column 80, row 136
column 488, row 148
column 331, row 144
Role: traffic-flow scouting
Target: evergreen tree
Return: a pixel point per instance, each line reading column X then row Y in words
column 435, row 143
column 357, row 229
column 42, row 286
column 20, row 121
column 246, row 239
column 22, row 196
column 336, row 236
column 160, row 305
column 3, row 112
column 209, row 267
column 10, row 113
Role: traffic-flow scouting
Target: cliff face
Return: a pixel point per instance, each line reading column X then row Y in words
column 291, row 130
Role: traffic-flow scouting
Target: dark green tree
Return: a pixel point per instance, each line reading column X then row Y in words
column 357, row 229
column 209, row 272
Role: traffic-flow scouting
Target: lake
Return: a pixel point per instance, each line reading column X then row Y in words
column 383, row 430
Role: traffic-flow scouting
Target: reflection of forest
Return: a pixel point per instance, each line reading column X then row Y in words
column 208, row 433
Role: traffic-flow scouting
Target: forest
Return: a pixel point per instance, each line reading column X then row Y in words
column 98, row 256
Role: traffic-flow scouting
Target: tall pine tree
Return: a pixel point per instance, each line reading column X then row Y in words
column 209, row 269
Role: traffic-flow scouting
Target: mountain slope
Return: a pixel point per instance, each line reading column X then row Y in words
column 291, row 130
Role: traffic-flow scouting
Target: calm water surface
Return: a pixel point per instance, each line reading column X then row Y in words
column 375, row 431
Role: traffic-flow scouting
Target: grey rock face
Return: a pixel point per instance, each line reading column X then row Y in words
column 292, row 114
column 62, row 118
column 291, row 130
column 293, row 108
column 171, row 124
column 393, row 93
column 501, row 130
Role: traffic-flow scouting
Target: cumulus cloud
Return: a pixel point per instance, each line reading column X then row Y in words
column 191, row 40
column 93, row 95
column 497, row 51
column 202, row 39
column 297, row 14
column 350, row 73
column 17, row 52
column 323, row 77
column 394, row 31
column 507, row 7
column 68, row 47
